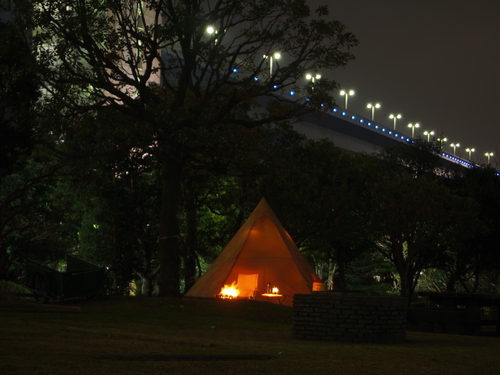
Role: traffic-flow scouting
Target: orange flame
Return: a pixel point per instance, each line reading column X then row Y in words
column 230, row 291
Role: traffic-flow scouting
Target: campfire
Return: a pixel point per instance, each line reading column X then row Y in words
column 229, row 291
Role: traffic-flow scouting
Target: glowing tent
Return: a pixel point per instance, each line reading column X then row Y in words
column 261, row 253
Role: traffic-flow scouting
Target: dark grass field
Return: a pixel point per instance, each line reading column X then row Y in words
column 209, row 336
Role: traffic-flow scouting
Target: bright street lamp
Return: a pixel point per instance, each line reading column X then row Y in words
column 210, row 30
column 413, row 126
column 470, row 151
column 346, row 94
column 394, row 117
column 312, row 77
column 428, row 134
column 488, row 155
column 372, row 107
column 455, row 145
column 275, row 56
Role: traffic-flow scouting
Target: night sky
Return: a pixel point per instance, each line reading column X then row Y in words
column 435, row 62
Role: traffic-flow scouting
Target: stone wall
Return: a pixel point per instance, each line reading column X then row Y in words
column 349, row 317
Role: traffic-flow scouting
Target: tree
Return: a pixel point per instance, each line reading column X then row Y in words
column 219, row 195
column 18, row 92
column 466, row 265
column 155, row 62
column 114, row 193
column 319, row 193
column 29, row 221
column 348, row 228
column 416, row 216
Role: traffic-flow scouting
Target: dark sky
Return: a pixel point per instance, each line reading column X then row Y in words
column 434, row 61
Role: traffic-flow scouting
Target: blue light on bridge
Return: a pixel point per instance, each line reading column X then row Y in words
column 368, row 123
column 255, row 79
column 458, row 160
column 275, row 87
column 235, row 70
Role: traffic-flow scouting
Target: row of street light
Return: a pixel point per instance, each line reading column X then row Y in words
column 395, row 117
column 412, row 126
column 372, row 106
column 347, row 93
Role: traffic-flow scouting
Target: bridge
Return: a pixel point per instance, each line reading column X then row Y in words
column 357, row 134
column 347, row 130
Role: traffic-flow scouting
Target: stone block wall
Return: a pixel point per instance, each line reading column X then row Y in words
column 349, row 317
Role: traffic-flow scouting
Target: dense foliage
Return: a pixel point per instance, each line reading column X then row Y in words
column 147, row 162
column 184, row 89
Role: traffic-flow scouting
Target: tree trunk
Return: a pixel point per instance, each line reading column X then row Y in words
column 146, row 286
column 452, row 280
column 148, row 276
column 407, row 283
column 190, row 243
column 331, row 272
column 168, row 241
column 403, row 266
column 340, row 283
column 319, row 268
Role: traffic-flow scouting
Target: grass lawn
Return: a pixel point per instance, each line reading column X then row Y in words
column 209, row 336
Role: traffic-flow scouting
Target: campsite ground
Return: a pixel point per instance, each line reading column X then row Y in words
column 208, row 336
